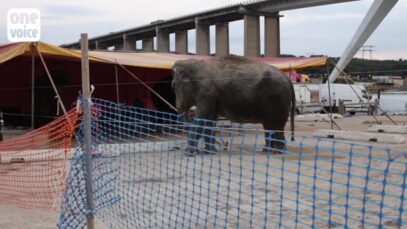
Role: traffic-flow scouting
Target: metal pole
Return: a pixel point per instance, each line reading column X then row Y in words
column 375, row 15
column 54, row 87
column 329, row 97
column 87, row 144
column 117, row 82
column 32, row 86
column 374, row 116
column 149, row 88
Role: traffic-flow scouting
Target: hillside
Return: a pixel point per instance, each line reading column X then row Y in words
column 362, row 68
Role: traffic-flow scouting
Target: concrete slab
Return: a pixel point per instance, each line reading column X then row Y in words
column 360, row 136
column 316, row 117
column 388, row 129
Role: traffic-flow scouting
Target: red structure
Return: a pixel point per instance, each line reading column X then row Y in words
column 111, row 81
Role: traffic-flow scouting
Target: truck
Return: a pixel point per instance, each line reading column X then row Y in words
column 315, row 97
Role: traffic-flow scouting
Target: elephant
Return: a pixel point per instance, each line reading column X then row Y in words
column 237, row 88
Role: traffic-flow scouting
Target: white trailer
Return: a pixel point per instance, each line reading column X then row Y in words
column 307, row 96
column 307, row 93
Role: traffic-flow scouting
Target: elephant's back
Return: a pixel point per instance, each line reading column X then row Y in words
column 245, row 90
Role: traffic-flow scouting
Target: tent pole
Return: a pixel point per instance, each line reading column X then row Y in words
column 375, row 15
column 329, row 97
column 117, row 82
column 149, row 88
column 32, row 86
column 54, row 87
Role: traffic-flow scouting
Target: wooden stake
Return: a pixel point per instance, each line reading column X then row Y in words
column 87, row 144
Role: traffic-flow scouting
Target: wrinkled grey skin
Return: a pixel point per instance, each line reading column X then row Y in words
column 237, row 88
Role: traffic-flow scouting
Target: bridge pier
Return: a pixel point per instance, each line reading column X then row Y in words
column 129, row 43
column 202, row 38
column 272, row 36
column 181, row 42
column 100, row 45
column 119, row 46
column 148, row 44
column 222, row 39
column 163, row 40
column 251, row 38
column 251, row 35
column 249, row 11
column 92, row 46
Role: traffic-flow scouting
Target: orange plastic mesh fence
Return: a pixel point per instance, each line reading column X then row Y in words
column 33, row 166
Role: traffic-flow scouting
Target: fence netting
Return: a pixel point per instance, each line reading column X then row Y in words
column 33, row 166
column 143, row 177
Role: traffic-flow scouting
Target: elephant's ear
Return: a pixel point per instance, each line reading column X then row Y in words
column 185, row 69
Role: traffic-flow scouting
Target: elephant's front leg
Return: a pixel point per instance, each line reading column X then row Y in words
column 193, row 139
column 207, row 113
column 209, row 137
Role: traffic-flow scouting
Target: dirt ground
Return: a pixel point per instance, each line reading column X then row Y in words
column 246, row 192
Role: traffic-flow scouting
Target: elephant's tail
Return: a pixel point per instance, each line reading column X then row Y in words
column 292, row 113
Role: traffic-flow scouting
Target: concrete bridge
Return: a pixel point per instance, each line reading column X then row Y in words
column 249, row 12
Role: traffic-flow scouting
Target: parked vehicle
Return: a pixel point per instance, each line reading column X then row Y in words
column 307, row 96
column 354, row 97
column 391, row 102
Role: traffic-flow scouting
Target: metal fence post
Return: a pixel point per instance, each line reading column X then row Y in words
column 87, row 144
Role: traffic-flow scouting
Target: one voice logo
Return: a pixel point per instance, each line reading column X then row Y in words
column 23, row 24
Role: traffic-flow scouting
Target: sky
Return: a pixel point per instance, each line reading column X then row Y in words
column 322, row 30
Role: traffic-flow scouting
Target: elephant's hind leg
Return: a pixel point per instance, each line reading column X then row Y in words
column 274, row 140
column 279, row 141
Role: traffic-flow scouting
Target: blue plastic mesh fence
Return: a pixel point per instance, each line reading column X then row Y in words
column 143, row 177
